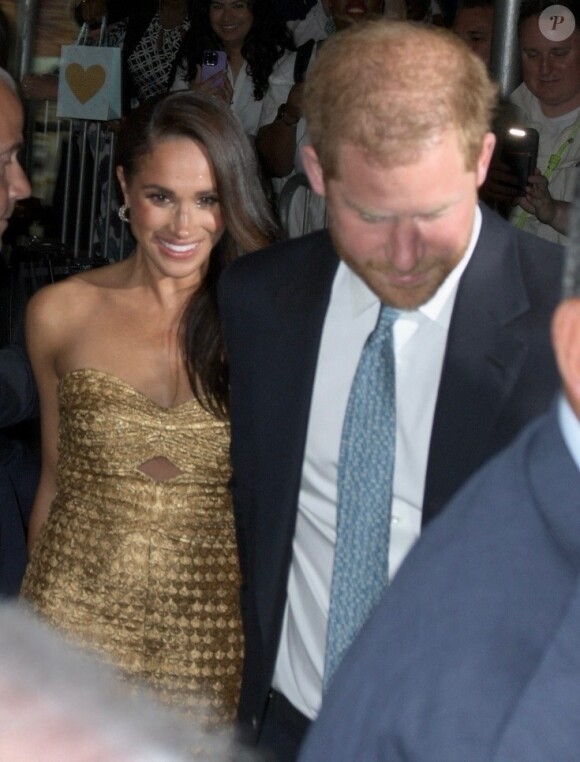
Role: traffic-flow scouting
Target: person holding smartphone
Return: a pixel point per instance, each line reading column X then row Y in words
column 548, row 100
column 259, row 54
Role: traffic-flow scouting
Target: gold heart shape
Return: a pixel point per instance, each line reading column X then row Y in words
column 85, row 83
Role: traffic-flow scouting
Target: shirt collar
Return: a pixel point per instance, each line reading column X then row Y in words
column 570, row 428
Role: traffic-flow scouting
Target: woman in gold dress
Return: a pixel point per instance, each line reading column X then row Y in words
column 132, row 542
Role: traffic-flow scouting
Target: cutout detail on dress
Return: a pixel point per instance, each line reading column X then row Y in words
column 160, row 469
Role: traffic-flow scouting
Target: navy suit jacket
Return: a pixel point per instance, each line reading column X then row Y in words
column 498, row 373
column 19, row 465
column 473, row 654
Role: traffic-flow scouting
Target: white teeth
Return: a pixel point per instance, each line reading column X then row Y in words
column 178, row 249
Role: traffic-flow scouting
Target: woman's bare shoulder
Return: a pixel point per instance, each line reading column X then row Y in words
column 70, row 301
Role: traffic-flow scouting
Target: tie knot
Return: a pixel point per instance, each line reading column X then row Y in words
column 387, row 317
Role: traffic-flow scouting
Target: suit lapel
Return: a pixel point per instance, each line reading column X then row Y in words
column 300, row 299
column 544, row 724
column 482, row 363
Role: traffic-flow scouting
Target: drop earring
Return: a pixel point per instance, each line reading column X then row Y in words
column 124, row 213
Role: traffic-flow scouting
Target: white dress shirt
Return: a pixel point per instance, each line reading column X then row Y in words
column 570, row 428
column 420, row 337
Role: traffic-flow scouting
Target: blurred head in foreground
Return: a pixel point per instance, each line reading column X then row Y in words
column 59, row 705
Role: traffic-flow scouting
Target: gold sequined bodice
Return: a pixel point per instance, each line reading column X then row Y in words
column 145, row 571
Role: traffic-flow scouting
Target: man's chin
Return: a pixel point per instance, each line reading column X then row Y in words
column 403, row 296
column 403, row 302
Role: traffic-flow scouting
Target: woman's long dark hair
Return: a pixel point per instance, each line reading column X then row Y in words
column 249, row 224
column 264, row 44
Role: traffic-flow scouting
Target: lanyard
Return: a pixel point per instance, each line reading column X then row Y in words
column 553, row 163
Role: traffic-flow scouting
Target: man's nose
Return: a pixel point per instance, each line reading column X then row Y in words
column 404, row 237
column 19, row 186
column 545, row 64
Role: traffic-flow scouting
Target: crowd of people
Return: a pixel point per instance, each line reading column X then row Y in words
column 268, row 55
column 323, row 489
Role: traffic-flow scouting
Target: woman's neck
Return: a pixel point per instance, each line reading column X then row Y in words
column 235, row 58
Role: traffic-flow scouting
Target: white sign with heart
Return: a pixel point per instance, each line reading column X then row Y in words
column 89, row 85
column 85, row 83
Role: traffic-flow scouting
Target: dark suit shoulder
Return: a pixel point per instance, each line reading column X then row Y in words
column 291, row 274
column 282, row 257
column 537, row 256
column 513, row 275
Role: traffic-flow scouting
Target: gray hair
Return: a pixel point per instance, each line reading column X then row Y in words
column 58, row 702
column 571, row 278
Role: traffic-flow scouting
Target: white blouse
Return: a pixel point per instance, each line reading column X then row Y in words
column 244, row 105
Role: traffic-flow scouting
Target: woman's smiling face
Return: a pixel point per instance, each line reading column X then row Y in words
column 231, row 20
column 175, row 210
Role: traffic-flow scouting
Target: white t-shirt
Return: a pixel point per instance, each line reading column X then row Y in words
column 553, row 133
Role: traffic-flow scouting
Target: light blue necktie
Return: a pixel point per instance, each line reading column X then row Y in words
column 365, row 487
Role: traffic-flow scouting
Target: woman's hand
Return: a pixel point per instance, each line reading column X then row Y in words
column 218, row 84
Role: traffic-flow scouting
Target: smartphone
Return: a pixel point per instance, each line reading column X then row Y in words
column 214, row 61
column 520, row 152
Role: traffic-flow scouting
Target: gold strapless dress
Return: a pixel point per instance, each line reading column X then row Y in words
column 145, row 572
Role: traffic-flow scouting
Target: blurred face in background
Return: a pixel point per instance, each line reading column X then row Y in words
column 14, row 185
column 550, row 68
column 475, row 27
column 231, row 20
column 345, row 12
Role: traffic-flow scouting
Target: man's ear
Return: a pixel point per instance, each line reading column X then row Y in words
column 484, row 158
column 566, row 341
column 313, row 170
